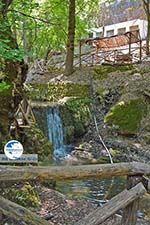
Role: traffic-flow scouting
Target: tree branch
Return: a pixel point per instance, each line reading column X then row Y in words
column 33, row 17
column 37, row 19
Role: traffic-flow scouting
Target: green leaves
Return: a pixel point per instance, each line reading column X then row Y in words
column 39, row 26
column 4, row 87
column 8, row 53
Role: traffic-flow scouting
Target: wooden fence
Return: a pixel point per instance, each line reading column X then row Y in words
column 112, row 56
column 137, row 185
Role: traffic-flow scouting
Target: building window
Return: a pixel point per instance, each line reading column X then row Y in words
column 133, row 28
column 99, row 34
column 121, row 30
column 110, row 33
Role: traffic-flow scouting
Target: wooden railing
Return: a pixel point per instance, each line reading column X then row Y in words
column 137, row 185
column 112, row 56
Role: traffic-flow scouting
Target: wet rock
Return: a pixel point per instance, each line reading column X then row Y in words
column 82, row 154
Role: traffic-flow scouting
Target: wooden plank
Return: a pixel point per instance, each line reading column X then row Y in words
column 130, row 212
column 146, row 183
column 31, row 112
column 118, row 202
column 25, row 158
column 24, row 114
column 72, row 172
column 20, row 214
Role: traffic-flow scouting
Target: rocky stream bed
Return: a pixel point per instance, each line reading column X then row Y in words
column 126, row 134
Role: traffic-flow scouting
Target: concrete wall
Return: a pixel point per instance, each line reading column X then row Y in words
column 141, row 23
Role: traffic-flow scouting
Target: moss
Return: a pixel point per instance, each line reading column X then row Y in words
column 102, row 72
column 25, row 196
column 54, row 92
column 34, row 141
column 126, row 116
column 101, row 91
column 76, row 117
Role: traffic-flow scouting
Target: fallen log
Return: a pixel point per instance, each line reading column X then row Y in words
column 120, row 201
column 16, row 173
column 20, row 214
column 130, row 212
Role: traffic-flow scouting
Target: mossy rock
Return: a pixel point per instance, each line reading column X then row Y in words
column 69, row 132
column 101, row 72
column 144, row 132
column 35, row 142
column 76, row 117
column 54, row 92
column 126, row 116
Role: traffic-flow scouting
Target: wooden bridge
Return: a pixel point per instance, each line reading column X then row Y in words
column 137, row 185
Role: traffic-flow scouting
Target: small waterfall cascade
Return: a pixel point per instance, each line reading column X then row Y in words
column 55, row 133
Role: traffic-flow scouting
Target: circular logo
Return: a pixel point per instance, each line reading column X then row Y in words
column 13, row 149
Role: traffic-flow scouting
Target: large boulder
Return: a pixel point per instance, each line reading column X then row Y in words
column 126, row 116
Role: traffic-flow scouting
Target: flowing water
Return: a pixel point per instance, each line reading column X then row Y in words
column 96, row 191
column 99, row 192
column 56, row 133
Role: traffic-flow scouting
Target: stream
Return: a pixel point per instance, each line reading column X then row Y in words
column 99, row 192
column 96, row 191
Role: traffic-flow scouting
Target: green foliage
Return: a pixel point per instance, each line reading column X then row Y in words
column 26, row 196
column 126, row 116
column 4, row 87
column 39, row 27
column 42, row 26
column 8, row 53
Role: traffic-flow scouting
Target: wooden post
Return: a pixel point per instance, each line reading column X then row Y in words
column 101, row 214
column 80, row 52
column 92, row 60
column 130, row 43
column 115, row 54
column 130, row 212
column 140, row 50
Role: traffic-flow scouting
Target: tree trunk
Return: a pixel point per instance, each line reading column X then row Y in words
column 83, row 172
column 148, row 35
column 146, row 5
column 71, row 36
column 15, row 73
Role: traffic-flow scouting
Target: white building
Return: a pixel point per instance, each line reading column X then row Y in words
column 120, row 28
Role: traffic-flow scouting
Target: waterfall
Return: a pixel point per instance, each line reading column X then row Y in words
column 55, row 133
